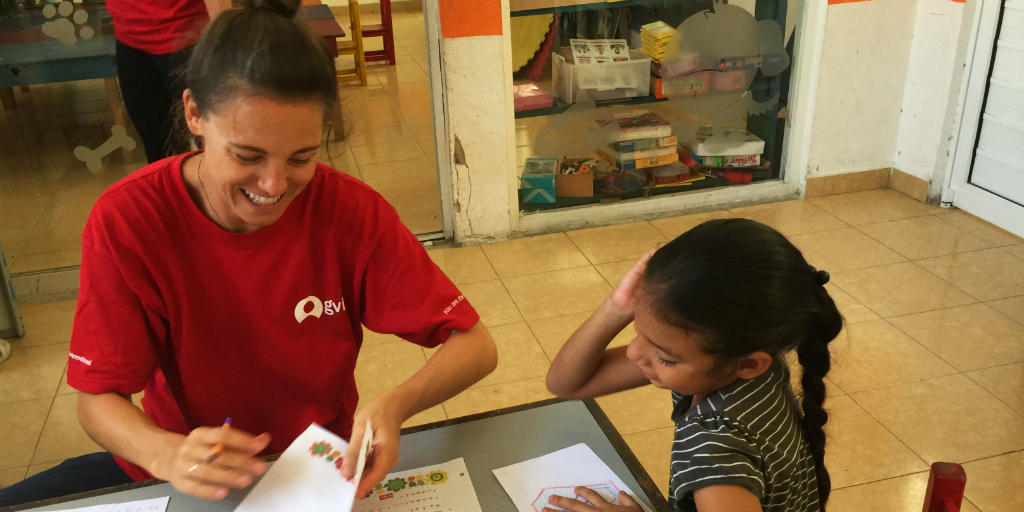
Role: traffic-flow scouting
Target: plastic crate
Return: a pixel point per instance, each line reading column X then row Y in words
column 607, row 81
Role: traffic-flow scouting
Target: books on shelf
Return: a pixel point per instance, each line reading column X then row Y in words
column 598, row 51
column 640, row 124
column 751, row 145
column 530, row 97
column 627, row 156
column 642, row 144
column 727, row 161
column 654, row 37
column 642, row 163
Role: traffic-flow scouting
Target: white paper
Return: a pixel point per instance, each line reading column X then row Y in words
column 153, row 505
column 364, row 450
column 435, row 488
column 531, row 482
column 307, row 477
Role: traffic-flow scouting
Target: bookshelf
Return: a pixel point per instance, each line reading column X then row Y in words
column 535, row 7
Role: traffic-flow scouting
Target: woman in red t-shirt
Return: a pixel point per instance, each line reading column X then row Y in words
column 235, row 282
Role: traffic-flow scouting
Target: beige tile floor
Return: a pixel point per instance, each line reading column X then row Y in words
column 46, row 194
column 930, row 365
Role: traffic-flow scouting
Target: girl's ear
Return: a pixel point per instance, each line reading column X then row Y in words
column 192, row 117
column 753, row 365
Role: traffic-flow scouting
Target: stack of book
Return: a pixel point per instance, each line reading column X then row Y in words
column 655, row 38
column 645, row 141
column 734, row 162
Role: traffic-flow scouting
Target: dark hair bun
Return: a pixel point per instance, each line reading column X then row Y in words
column 286, row 8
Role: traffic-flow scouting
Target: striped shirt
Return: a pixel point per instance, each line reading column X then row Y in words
column 746, row 434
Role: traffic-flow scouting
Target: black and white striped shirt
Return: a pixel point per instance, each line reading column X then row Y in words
column 746, row 434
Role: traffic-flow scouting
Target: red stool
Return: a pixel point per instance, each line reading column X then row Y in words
column 946, row 485
column 383, row 30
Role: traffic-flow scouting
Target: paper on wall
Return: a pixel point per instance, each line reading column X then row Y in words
column 153, row 505
column 307, row 476
column 438, row 487
column 531, row 482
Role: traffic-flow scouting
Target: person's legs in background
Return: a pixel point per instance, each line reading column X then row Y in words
column 79, row 474
column 150, row 93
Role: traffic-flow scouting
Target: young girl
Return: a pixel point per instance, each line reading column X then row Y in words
column 715, row 312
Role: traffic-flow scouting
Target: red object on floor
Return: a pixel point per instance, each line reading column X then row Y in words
column 384, row 30
column 946, row 485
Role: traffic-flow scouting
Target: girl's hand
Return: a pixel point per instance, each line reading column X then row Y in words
column 190, row 468
column 598, row 503
column 383, row 453
column 621, row 298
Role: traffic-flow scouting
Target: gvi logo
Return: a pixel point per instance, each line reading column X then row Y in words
column 319, row 308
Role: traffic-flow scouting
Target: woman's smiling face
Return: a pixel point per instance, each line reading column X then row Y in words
column 259, row 154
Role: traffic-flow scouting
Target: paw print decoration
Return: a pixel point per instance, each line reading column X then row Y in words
column 61, row 27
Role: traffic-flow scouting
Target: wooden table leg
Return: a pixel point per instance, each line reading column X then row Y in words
column 117, row 108
column 336, row 117
column 24, row 88
column 7, row 98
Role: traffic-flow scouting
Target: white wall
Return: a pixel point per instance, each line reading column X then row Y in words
column 933, row 80
column 864, row 63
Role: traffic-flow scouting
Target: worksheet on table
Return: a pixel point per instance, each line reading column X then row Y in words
column 530, row 483
column 153, row 505
column 436, row 488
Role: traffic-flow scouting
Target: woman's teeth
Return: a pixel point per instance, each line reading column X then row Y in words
column 260, row 200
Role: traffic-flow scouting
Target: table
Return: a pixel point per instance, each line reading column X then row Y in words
column 486, row 441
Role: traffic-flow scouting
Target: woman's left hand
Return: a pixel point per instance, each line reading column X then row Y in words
column 383, row 454
column 597, row 502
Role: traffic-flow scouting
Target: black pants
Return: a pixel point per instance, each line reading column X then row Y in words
column 80, row 474
column 151, row 88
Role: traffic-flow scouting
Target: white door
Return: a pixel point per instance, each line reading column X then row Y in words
column 988, row 166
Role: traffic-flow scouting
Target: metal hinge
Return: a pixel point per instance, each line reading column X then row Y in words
column 948, row 198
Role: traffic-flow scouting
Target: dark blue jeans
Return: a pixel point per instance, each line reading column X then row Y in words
column 80, row 474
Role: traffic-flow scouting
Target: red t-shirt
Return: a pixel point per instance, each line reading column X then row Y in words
column 158, row 26
column 261, row 327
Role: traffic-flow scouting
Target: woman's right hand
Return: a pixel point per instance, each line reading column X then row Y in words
column 188, row 465
column 621, row 299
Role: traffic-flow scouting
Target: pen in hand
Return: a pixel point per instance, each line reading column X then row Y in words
column 218, row 448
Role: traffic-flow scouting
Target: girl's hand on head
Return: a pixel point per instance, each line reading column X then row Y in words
column 191, row 469
column 383, row 452
column 598, row 504
column 622, row 297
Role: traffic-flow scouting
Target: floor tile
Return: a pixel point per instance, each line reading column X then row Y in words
column 382, row 367
column 617, row 243
column 46, row 260
column 638, row 410
column 32, row 372
column 869, row 207
column 875, row 354
column 967, row 337
column 64, row 388
column 986, row 275
column 63, row 436
column 558, row 293
column 9, row 477
column 369, row 136
column 492, row 302
column 371, row 338
column 20, row 425
column 903, row 494
column 860, row 449
column 900, row 289
column 1016, row 250
column 790, row 217
column 39, row 468
column 672, row 227
column 981, row 229
column 385, row 173
column 553, row 332
column 519, row 355
column 534, row 255
column 379, row 153
column 654, row 451
column 924, row 237
column 614, row 272
column 920, row 414
column 994, row 484
column 1005, row 382
column 853, row 312
column 845, row 249
column 463, row 265
column 47, row 324
column 796, row 373
column 500, row 396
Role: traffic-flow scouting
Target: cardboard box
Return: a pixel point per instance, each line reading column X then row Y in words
column 575, row 185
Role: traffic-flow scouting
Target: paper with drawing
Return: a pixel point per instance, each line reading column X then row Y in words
column 435, row 488
column 531, row 482
column 307, row 476
column 153, row 505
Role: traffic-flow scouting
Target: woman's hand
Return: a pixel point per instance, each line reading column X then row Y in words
column 383, row 453
column 190, row 468
column 621, row 299
column 597, row 502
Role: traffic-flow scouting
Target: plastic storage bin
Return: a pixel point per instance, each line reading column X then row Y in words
column 607, row 81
